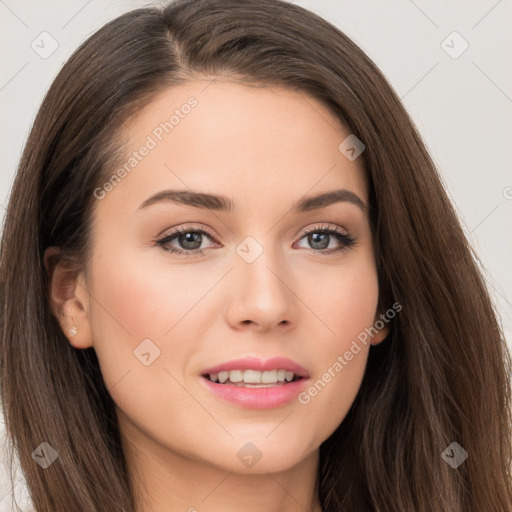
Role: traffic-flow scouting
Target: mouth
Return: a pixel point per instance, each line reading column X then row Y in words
column 253, row 378
column 256, row 383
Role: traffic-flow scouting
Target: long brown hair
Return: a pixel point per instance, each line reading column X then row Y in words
column 442, row 374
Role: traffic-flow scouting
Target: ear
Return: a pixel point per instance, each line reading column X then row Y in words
column 381, row 324
column 69, row 298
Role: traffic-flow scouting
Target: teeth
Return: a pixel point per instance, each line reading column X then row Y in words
column 253, row 376
column 268, row 376
column 236, row 375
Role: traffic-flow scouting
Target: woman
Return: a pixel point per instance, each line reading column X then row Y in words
column 231, row 279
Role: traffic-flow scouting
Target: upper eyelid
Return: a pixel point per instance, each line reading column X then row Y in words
column 186, row 229
column 325, row 226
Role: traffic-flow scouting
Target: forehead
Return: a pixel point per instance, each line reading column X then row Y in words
column 239, row 140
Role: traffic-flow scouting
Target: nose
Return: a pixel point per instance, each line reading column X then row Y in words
column 263, row 296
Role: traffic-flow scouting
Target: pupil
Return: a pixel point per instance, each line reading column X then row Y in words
column 193, row 238
column 315, row 239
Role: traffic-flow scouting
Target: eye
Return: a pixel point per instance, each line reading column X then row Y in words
column 190, row 239
column 320, row 238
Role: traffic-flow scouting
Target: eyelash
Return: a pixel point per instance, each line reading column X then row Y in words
column 347, row 240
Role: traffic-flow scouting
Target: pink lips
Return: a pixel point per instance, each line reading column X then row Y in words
column 254, row 363
column 254, row 397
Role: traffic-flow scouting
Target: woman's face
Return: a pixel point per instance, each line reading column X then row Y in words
column 256, row 297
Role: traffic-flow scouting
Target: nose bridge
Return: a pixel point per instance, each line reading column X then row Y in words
column 263, row 294
column 259, row 262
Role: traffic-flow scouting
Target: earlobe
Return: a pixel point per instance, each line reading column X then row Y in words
column 380, row 336
column 383, row 330
column 68, row 299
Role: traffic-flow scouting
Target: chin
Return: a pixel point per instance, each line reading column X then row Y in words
column 261, row 451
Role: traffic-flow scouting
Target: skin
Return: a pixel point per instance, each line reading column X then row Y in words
column 264, row 148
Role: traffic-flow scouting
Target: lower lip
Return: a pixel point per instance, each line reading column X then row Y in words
column 257, row 398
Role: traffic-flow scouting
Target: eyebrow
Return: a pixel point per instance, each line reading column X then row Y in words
column 224, row 204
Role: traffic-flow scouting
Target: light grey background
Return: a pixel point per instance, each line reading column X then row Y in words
column 462, row 106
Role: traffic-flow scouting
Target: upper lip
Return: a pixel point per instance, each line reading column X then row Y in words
column 255, row 363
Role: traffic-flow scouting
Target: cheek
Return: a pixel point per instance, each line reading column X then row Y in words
column 354, row 309
column 143, row 338
column 138, row 308
column 347, row 307
column 344, row 300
